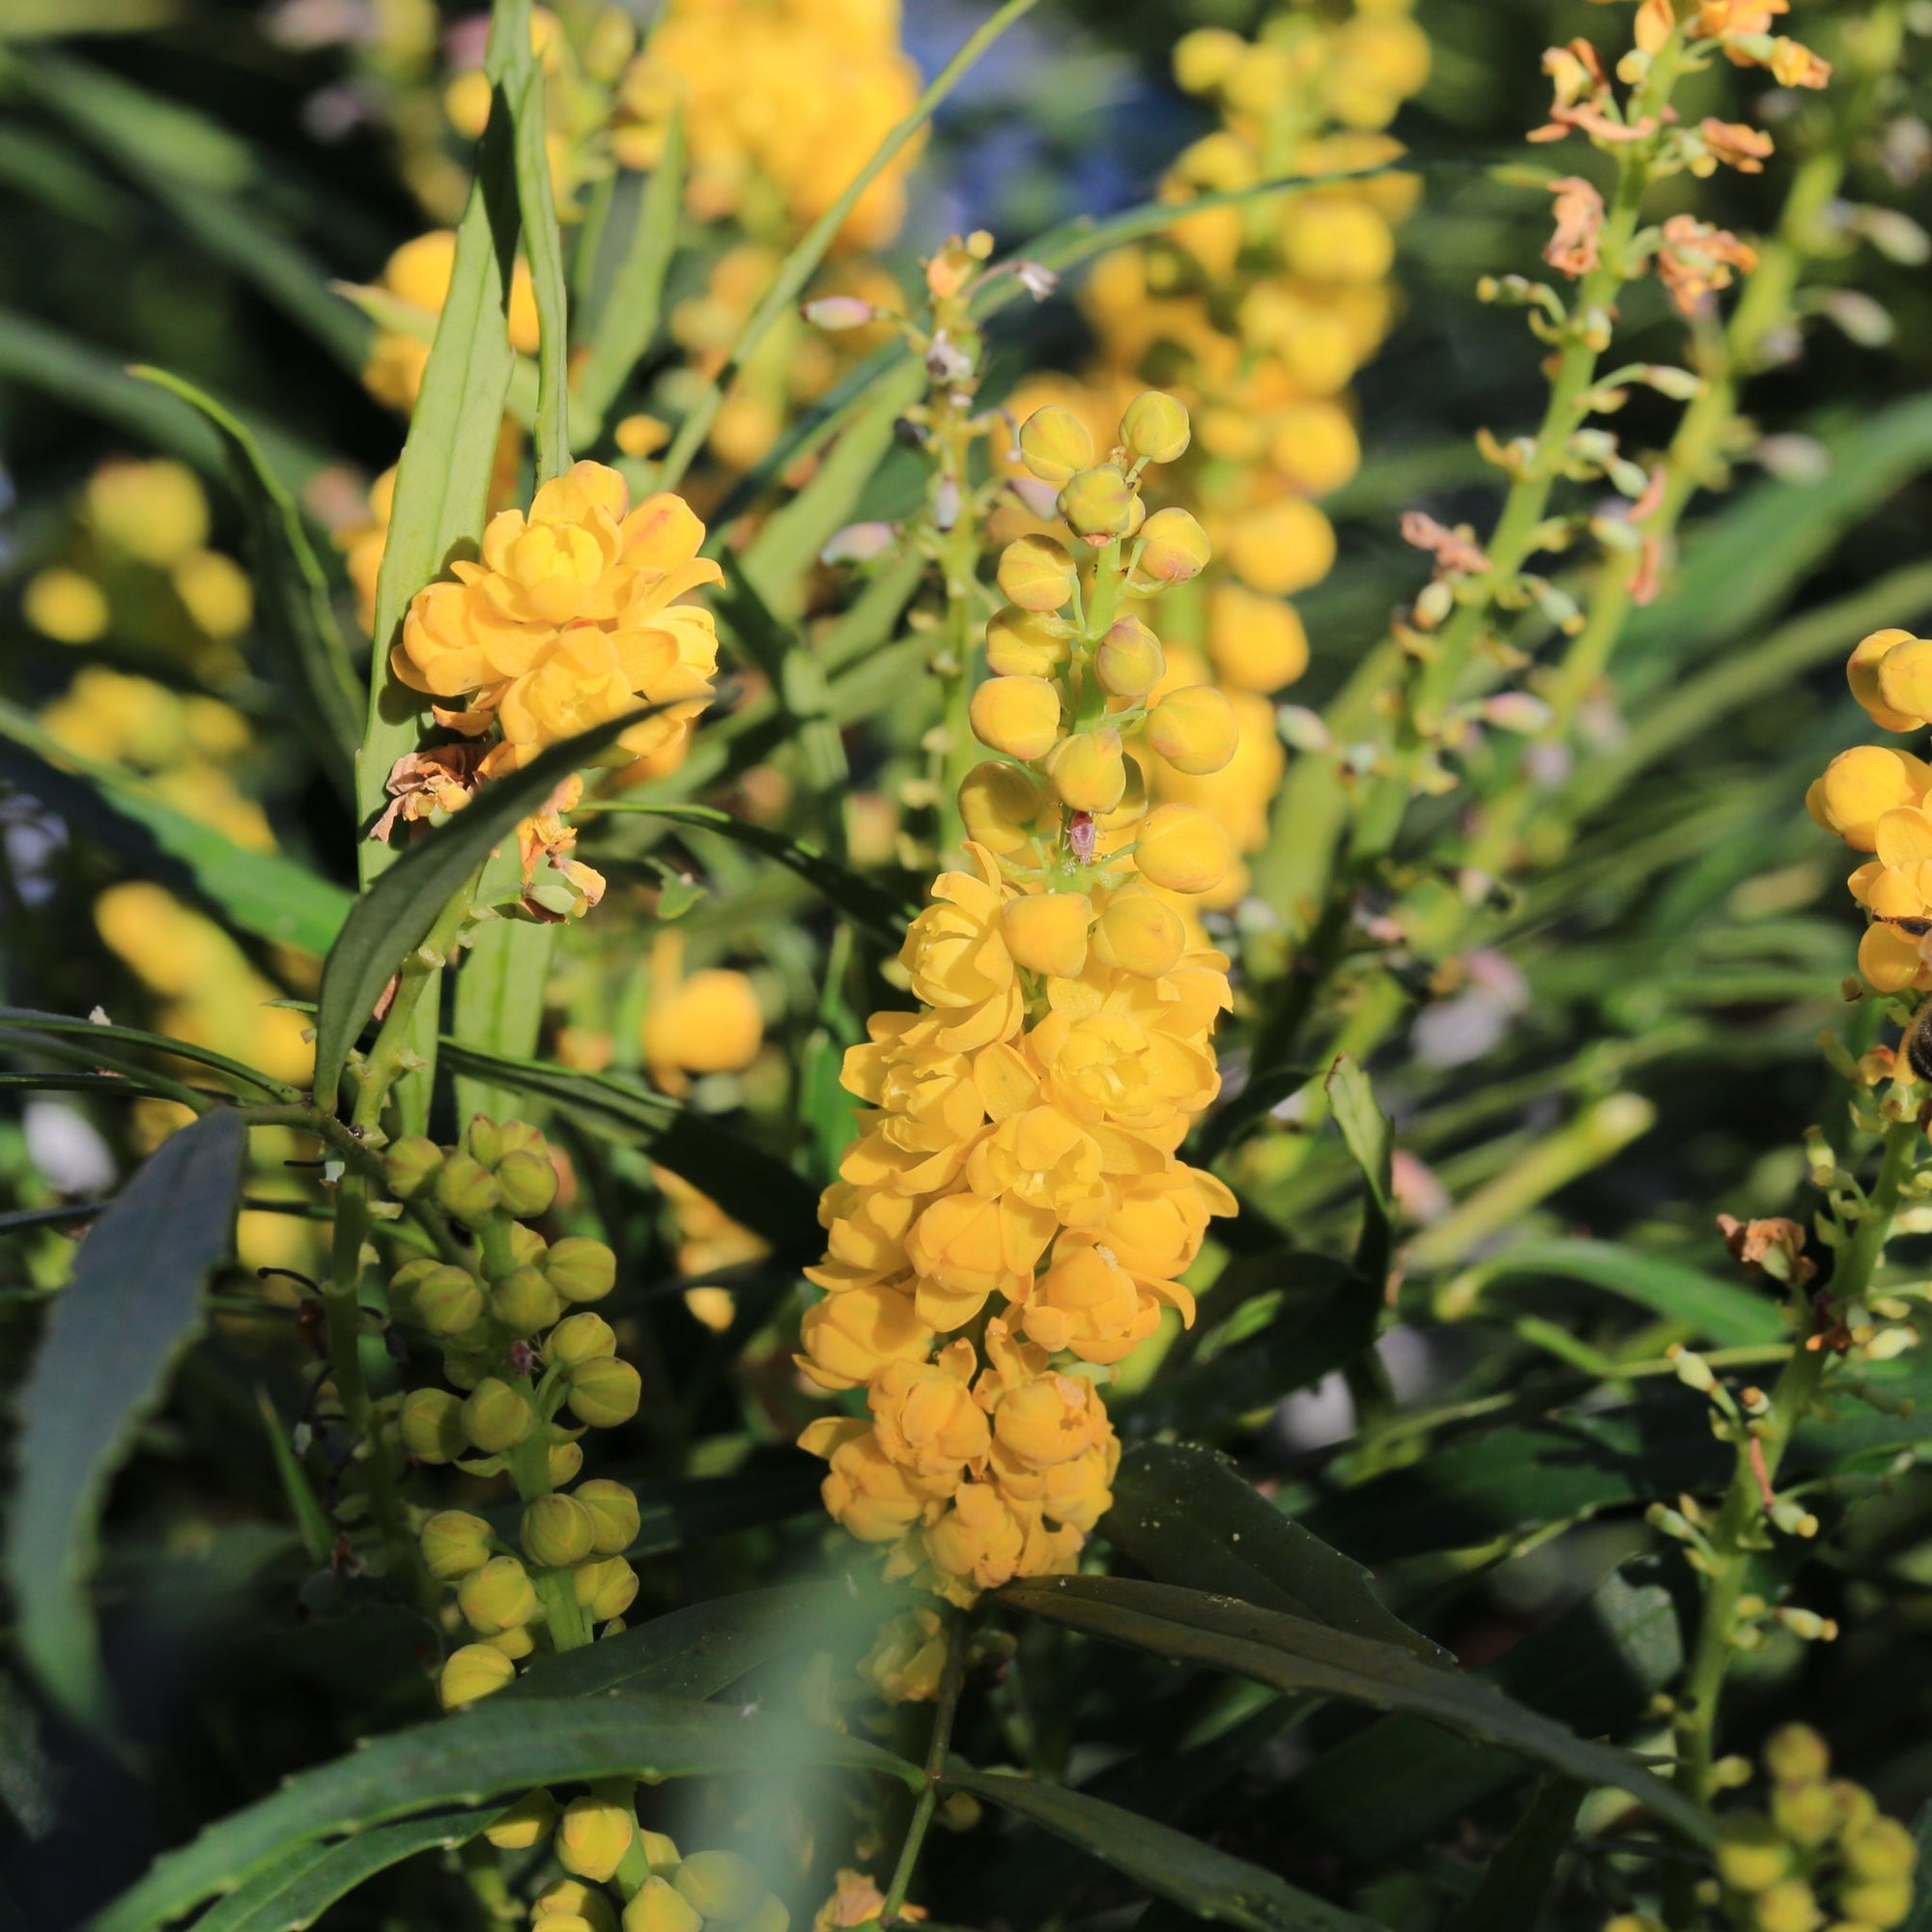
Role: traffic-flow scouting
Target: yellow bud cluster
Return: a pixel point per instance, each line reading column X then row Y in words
column 595, row 1834
column 517, row 1357
column 1012, row 1220
column 1819, row 1852
column 1874, row 797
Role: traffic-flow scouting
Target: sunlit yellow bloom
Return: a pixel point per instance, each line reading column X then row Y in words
column 849, row 1338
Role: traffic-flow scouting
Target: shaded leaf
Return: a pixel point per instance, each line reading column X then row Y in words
column 1212, row 1884
column 1515, row 1883
column 313, row 1523
column 1370, row 1144
column 500, row 996
column 1222, row 1128
column 132, row 1305
column 1294, row 1654
column 58, row 1024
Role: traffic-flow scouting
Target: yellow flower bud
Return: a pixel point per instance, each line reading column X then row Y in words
column 579, row 1338
column 495, row 1416
column 1037, row 573
column 1046, row 933
column 1098, row 505
column 497, row 1597
column 907, row 1658
column 1283, row 547
column 410, row 1164
column 1788, row 1907
column 1194, row 729
column 215, row 592
column 1183, row 849
column 474, row 1671
column 1054, row 444
column 445, row 1299
column 581, row 1269
column 1860, row 786
column 155, row 511
column 528, row 1183
column 1889, row 960
column 605, row 1393
column 1206, row 57
column 1905, row 679
column 1807, row 1814
column 592, row 1837
column 571, row 1898
column 1026, row 643
column 1139, row 933
column 524, row 1301
column 1130, row 662
column 67, row 607
column 1155, row 427
column 1174, row 547
column 1881, row 1903
column 850, row 1336
column 454, row 1543
column 563, row 1461
column 1882, row 1850
column 1019, row 716
column 1862, row 674
column 614, row 1517
column 1258, row 644
column 556, row 1532
column 1089, row 770
column 1796, row 1754
column 606, row 1589
column 720, row 1885
column 527, row 1820
column 709, row 1023
column 659, row 1850
column 1001, row 804
column 1316, row 447
column 657, row 1905
column 432, row 1426
column 466, row 1189
column 1751, row 1853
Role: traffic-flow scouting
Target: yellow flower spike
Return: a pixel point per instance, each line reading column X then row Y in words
column 1089, row 770
column 477, row 1670
column 1087, row 1302
column 499, row 1597
column 924, row 1418
column 1861, row 673
column 865, row 1490
column 606, row 1589
column 556, row 1532
column 526, row 1821
column 1182, row 850
column 1859, row 787
column 1905, row 679
column 1155, row 427
column 1046, row 933
column 432, row 1426
column 454, row 1543
column 1139, row 933
column 1001, row 805
column 495, row 1417
column 907, row 1658
column 1283, row 547
column 1129, row 661
column 1019, row 716
column 1173, row 547
column 1099, row 504
column 614, row 1517
column 983, row 1541
column 605, row 1392
column 657, row 1905
column 568, row 1898
column 64, row 605
column 1257, row 643
column 720, row 1885
column 1194, row 729
column 971, row 1248
column 1037, row 573
column 1054, row 444
column 850, row 1337
column 592, row 1837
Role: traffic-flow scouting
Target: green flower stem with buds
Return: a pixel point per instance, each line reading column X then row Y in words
column 951, row 1681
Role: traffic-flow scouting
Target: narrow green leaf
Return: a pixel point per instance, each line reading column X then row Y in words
column 1211, row 1884
column 28, row 1019
column 797, row 677
column 258, row 893
column 33, row 19
column 1517, row 1881
column 1229, row 1123
column 880, row 911
column 1184, row 1514
column 751, row 1186
column 394, row 914
column 500, row 995
column 628, row 321
column 542, row 247
column 296, row 608
column 1293, row 1654
column 1370, row 1144
column 498, row 1748
column 312, row 1522
column 132, row 1305
column 401, row 318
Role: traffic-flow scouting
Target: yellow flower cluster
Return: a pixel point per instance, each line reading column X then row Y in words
column 784, row 101
column 571, row 616
column 519, row 1347
column 1013, row 1218
column 1875, row 799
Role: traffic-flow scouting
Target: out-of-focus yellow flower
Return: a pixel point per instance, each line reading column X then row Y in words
column 64, row 605
column 154, row 510
column 709, row 1022
column 904, row 1666
column 215, row 590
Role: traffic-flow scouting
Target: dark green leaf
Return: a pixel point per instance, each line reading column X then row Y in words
column 1209, row 1884
column 394, row 916
column 498, row 1748
column 1293, row 1654
column 29, row 1784
column 26, row 1018
column 294, row 602
column 132, row 1305
column 1517, row 1881
column 258, row 893
column 751, row 1186
column 1184, row 1514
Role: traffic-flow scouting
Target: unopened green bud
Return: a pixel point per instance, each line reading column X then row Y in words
column 432, row 1426
column 1130, row 662
column 1155, row 427
column 571, row 1897
column 593, row 1837
column 1751, row 1855
column 1882, row 1850
column 659, row 1850
column 464, row 1368
column 719, row 1884
column 454, row 1543
column 402, row 1285
column 1788, row 1907
column 657, row 1905
column 1054, row 443
column 606, row 1589
column 1858, row 1808
column 464, row 1189
column 556, row 1532
column 497, row 1597
column 474, row 1671
column 1097, row 503
column 563, row 1460
column 409, row 1165
column 527, row 1820
column 528, row 1183
column 495, row 1417
column 579, row 1338
column 1796, row 1754
column 1807, row 1814
column 483, row 1140
column 1877, row 1902
column 581, row 1269
column 447, row 1300
column 613, row 1515
column 514, row 1642
column 604, row 1392
column 524, row 1301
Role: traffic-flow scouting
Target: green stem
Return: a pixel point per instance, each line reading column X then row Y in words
column 951, row 1681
